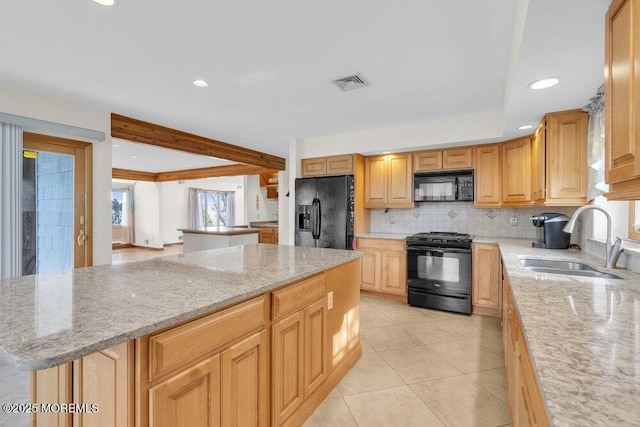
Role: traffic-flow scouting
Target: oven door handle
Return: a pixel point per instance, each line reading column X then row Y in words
column 437, row 250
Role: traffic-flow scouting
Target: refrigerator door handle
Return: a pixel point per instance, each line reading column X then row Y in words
column 319, row 219
column 314, row 218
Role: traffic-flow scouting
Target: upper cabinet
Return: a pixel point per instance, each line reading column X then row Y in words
column 566, row 158
column 622, row 102
column 270, row 182
column 487, row 179
column 538, row 161
column 516, row 172
column 388, row 181
column 328, row 166
column 450, row 159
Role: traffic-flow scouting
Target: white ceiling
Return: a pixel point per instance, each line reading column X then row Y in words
column 269, row 64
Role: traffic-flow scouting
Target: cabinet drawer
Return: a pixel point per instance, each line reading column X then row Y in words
column 297, row 296
column 186, row 344
column 382, row 244
column 268, row 230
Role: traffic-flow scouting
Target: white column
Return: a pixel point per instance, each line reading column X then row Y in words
column 11, row 201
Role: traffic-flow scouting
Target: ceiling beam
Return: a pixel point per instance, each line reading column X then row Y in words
column 230, row 170
column 133, row 175
column 160, row 136
column 212, row 172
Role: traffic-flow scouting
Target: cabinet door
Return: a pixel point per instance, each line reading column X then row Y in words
column 538, row 163
column 426, row 161
column 457, row 158
column 371, row 268
column 487, row 177
column 394, row 273
column 622, row 104
column 375, row 182
column 288, row 369
column 313, row 167
column 487, row 284
column 52, row 385
column 316, row 352
column 245, row 386
column 567, row 157
column 400, row 182
column 516, row 172
column 191, row 398
column 340, row 165
column 105, row 378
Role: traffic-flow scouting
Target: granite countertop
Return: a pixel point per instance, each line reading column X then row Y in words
column 583, row 335
column 54, row 318
column 220, row 230
column 387, row 236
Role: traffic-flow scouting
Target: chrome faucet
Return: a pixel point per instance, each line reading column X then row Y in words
column 613, row 251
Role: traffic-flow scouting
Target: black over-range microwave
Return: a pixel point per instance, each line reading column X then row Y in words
column 443, row 186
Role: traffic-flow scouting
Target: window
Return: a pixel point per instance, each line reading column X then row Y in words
column 212, row 208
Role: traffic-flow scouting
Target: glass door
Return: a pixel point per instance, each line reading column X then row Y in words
column 56, row 210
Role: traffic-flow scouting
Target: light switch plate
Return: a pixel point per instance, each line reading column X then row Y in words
column 330, row 300
column 513, row 221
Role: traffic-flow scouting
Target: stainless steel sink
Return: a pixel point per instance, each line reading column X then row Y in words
column 569, row 268
column 551, row 263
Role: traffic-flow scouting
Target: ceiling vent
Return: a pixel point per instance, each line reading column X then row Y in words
column 351, row 82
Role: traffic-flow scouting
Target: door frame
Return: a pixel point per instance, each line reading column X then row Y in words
column 82, row 184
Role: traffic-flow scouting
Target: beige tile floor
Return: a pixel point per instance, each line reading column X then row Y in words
column 421, row 368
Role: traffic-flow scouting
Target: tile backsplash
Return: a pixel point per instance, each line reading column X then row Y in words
column 461, row 217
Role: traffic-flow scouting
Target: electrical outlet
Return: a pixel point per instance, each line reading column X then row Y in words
column 513, row 221
column 330, row 300
column 392, row 219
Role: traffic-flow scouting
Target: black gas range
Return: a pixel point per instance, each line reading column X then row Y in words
column 439, row 271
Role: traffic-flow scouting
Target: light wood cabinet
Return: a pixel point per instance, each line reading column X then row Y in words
column 538, row 164
column 487, row 281
column 328, row 166
column 106, row 379
column 449, row 159
column 566, row 158
column 516, row 172
column 50, row 386
column 388, row 181
column 191, row 397
column 269, row 181
column 622, row 103
column 300, row 345
column 245, row 382
column 384, row 266
column 525, row 399
column 268, row 235
column 487, row 176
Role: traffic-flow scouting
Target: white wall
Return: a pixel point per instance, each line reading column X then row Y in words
column 259, row 208
column 163, row 207
column 174, row 203
column 64, row 111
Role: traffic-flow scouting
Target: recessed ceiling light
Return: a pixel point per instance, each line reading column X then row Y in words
column 386, row 152
column 134, row 157
column 523, row 127
column 200, row 83
column 105, row 2
column 544, row 83
column 116, row 145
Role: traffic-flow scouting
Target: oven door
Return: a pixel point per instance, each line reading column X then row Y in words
column 444, row 271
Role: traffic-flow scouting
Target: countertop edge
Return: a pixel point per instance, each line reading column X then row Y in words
column 34, row 364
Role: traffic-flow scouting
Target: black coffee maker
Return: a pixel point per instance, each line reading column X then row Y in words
column 549, row 232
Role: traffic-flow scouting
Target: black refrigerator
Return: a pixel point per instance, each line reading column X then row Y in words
column 324, row 212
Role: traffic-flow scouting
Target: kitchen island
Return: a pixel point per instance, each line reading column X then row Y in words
column 204, row 238
column 247, row 335
column 582, row 335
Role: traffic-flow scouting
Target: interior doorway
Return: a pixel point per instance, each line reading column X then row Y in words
column 57, row 194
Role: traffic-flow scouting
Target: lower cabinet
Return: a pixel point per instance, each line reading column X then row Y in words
column 525, row 399
column 270, row 360
column 384, row 266
column 300, row 353
column 268, row 235
column 486, row 293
